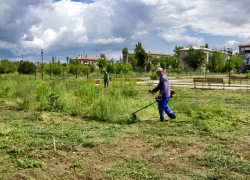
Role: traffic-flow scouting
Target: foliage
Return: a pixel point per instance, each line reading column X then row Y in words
column 173, row 61
column 56, row 68
column 91, row 67
column 125, row 54
column 248, row 74
column 206, row 46
column 102, row 62
column 204, row 140
column 235, row 62
column 7, row 66
column 123, row 67
column 53, row 60
column 26, row 67
column 216, row 62
column 155, row 61
column 154, row 76
column 194, row 58
column 43, row 66
column 111, row 67
column 140, row 55
column 177, row 51
column 132, row 60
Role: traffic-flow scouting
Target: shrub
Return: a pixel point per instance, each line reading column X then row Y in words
column 154, row 76
column 248, row 74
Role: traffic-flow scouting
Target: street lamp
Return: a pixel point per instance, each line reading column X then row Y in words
column 229, row 52
column 22, row 55
column 67, row 58
column 42, row 62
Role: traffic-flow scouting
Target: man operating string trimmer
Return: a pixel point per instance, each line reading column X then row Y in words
column 164, row 94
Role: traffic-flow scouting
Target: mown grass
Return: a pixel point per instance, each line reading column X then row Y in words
column 97, row 139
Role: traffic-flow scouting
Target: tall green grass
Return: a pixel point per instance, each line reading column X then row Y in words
column 73, row 97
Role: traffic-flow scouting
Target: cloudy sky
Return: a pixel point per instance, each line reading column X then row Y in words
column 73, row 27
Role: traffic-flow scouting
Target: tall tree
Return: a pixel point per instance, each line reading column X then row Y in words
column 125, row 54
column 132, row 60
column 206, row 46
column 177, row 50
column 194, row 58
column 216, row 62
column 140, row 55
column 102, row 62
column 7, row 66
column 53, row 60
column 26, row 67
column 155, row 61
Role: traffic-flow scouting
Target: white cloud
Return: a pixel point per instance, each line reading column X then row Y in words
column 176, row 36
column 110, row 40
column 111, row 25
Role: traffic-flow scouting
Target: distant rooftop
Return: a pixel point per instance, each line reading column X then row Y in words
column 197, row 48
column 88, row 58
column 244, row 45
column 156, row 53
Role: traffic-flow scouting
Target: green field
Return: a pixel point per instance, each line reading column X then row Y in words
column 97, row 138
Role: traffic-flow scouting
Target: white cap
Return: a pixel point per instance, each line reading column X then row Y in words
column 158, row 69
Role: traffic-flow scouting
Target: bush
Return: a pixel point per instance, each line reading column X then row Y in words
column 154, row 76
column 248, row 74
column 26, row 67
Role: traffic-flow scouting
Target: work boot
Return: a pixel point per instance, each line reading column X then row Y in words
column 162, row 119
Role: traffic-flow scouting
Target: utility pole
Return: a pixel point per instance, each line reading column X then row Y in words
column 229, row 52
column 67, row 58
column 42, row 62
column 22, row 55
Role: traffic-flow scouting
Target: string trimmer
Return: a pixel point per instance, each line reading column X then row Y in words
column 157, row 99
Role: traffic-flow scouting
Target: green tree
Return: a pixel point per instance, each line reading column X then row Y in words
column 124, row 67
column 43, row 66
column 216, row 62
column 111, row 66
column 194, row 58
column 7, row 66
column 91, row 67
column 140, row 55
column 173, row 61
column 235, row 63
column 177, row 51
column 53, row 60
column 206, row 46
column 125, row 54
column 26, row 67
column 57, row 68
column 132, row 60
column 163, row 62
column 102, row 62
column 155, row 61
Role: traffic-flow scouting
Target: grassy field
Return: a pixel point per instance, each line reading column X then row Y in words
column 96, row 138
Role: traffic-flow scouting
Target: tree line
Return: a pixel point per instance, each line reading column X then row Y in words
column 140, row 61
column 218, row 61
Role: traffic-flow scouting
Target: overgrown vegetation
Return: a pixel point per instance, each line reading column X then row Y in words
column 97, row 139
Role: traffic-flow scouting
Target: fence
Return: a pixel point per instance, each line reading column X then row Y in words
column 99, row 75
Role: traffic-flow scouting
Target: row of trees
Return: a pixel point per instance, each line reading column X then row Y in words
column 217, row 60
column 141, row 60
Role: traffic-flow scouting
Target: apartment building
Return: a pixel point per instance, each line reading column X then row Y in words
column 85, row 59
column 244, row 53
column 208, row 52
column 155, row 54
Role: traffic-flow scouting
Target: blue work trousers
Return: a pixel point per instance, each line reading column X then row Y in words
column 163, row 107
column 106, row 82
